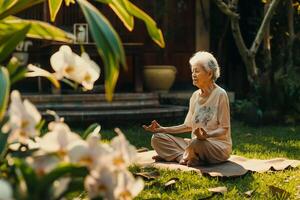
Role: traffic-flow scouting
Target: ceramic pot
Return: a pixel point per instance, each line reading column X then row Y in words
column 159, row 77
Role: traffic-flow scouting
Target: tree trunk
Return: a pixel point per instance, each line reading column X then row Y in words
column 226, row 9
column 221, row 41
column 291, row 31
column 267, row 78
column 248, row 55
column 264, row 25
column 248, row 59
column 267, row 42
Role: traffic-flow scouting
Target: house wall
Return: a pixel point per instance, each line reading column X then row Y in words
column 176, row 18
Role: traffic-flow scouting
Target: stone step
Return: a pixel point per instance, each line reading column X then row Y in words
column 51, row 98
column 98, row 106
column 121, row 115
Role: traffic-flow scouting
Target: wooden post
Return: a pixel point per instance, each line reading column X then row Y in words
column 202, row 25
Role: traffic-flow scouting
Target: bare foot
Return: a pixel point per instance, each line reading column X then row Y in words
column 157, row 158
column 192, row 163
column 189, row 163
column 183, row 162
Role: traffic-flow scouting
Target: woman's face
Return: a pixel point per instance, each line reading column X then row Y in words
column 200, row 76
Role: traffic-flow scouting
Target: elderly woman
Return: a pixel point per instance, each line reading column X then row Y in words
column 208, row 120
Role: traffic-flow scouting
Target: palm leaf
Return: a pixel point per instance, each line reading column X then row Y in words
column 12, row 7
column 68, row 2
column 154, row 32
column 4, row 91
column 10, row 39
column 108, row 45
column 54, row 6
column 119, row 8
column 38, row 29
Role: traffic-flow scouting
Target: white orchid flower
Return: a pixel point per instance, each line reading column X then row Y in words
column 91, row 72
column 128, row 187
column 6, row 192
column 88, row 152
column 79, row 69
column 23, row 119
column 65, row 63
column 101, row 183
column 58, row 139
column 113, row 184
column 34, row 71
column 43, row 164
column 124, row 153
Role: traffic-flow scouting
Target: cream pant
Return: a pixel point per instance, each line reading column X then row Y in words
column 173, row 148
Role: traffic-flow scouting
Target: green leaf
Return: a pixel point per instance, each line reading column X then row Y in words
column 28, row 174
column 89, row 130
column 40, row 125
column 154, row 32
column 61, row 171
column 125, row 10
column 5, row 5
column 18, row 75
column 23, row 154
column 54, row 6
column 4, row 91
column 12, row 7
column 13, row 65
column 75, row 185
column 11, row 39
column 119, row 8
column 104, row 1
column 108, row 45
column 38, row 29
column 3, row 145
column 68, row 2
column 3, row 140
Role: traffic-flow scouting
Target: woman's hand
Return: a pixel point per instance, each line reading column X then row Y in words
column 155, row 127
column 201, row 134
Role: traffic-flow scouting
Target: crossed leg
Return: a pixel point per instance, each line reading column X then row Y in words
column 168, row 147
column 187, row 152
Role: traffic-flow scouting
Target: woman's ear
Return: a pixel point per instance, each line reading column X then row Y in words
column 210, row 75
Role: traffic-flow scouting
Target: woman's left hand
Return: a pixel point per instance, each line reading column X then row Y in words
column 201, row 134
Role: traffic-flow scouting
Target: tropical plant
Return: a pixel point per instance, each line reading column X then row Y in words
column 57, row 162
column 109, row 46
column 61, row 162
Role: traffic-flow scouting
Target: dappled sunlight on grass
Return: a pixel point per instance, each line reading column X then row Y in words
column 193, row 186
column 253, row 142
column 266, row 142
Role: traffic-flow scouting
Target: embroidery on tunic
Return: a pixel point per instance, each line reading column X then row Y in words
column 204, row 115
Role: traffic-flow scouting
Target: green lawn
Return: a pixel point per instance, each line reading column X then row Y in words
column 261, row 142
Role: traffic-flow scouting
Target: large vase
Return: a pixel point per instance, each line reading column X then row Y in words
column 159, row 77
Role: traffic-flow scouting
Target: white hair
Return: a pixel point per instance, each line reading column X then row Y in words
column 208, row 61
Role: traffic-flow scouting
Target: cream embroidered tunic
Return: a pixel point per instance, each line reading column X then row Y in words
column 210, row 115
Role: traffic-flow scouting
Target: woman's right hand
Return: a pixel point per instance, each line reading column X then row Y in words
column 155, row 127
column 201, row 134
